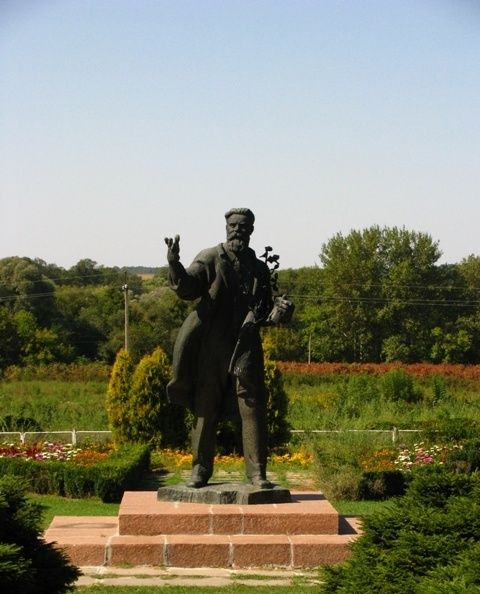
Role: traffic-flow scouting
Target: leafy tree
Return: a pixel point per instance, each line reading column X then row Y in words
column 9, row 338
column 39, row 345
column 103, row 312
column 285, row 342
column 450, row 345
column 87, row 273
column 56, row 274
column 24, row 287
column 377, row 283
column 301, row 337
column 78, row 329
column 155, row 319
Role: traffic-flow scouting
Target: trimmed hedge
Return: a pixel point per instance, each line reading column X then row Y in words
column 107, row 479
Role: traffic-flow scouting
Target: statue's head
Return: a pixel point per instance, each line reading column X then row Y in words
column 239, row 228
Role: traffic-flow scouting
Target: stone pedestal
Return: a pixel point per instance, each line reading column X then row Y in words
column 307, row 532
column 224, row 493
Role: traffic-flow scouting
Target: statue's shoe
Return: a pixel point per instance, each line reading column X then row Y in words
column 199, row 477
column 196, row 483
column 261, row 483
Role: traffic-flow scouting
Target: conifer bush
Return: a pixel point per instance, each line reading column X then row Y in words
column 28, row 565
column 417, row 541
column 118, row 394
column 153, row 418
column 229, row 436
column 137, row 404
column 277, row 405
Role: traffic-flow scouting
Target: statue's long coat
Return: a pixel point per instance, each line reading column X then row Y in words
column 221, row 335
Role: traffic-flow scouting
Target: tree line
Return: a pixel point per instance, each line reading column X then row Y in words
column 378, row 294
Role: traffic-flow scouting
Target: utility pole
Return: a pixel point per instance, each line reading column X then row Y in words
column 125, row 293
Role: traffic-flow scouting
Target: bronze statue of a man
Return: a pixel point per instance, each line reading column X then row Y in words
column 218, row 352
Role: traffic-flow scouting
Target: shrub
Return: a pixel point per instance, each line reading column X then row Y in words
column 229, row 436
column 448, row 429
column 19, row 423
column 339, row 464
column 137, row 404
column 405, row 546
column 355, row 392
column 439, row 389
column 398, row 386
column 152, row 418
column 27, row 563
column 465, row 458
column 461, row 577
column 277, row 406
column 381, row 484
column 117, row 396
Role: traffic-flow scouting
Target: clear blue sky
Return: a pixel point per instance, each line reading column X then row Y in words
column 122, row 121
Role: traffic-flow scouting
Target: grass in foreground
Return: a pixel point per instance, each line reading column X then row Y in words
column 54, row 505
column 361, row 509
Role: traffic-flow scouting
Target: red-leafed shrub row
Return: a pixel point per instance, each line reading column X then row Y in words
column 469, row 372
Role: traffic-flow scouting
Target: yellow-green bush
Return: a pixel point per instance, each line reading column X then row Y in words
column 137, row 404
column 118, row 394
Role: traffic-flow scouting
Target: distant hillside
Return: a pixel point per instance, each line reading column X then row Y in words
column 150, row 270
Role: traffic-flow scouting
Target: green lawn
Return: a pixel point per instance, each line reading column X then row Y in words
column 55, row 505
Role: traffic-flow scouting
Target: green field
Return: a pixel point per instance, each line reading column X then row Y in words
column 56, row 405
column 315, row 402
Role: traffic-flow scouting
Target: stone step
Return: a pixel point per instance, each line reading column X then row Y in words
column 95, row 541
column 305, row 533
column 309, row 513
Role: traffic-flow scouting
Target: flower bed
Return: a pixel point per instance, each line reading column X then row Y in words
column 386, row 471
column 420, row 455
column 63, row 452
column 70, row 471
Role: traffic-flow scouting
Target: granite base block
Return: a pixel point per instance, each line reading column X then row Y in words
column 225, row 493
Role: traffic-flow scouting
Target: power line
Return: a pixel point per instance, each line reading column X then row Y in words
column 315, row 300
column 383, row 300
column 67, row 278
column 26, row 297
column 321, row 285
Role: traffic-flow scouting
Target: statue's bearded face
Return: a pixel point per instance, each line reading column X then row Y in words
column 239, row 229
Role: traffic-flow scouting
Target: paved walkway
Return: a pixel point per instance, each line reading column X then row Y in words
column 157, row 576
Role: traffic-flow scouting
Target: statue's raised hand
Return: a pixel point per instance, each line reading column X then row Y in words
column 282, row 311
column 173, row 252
